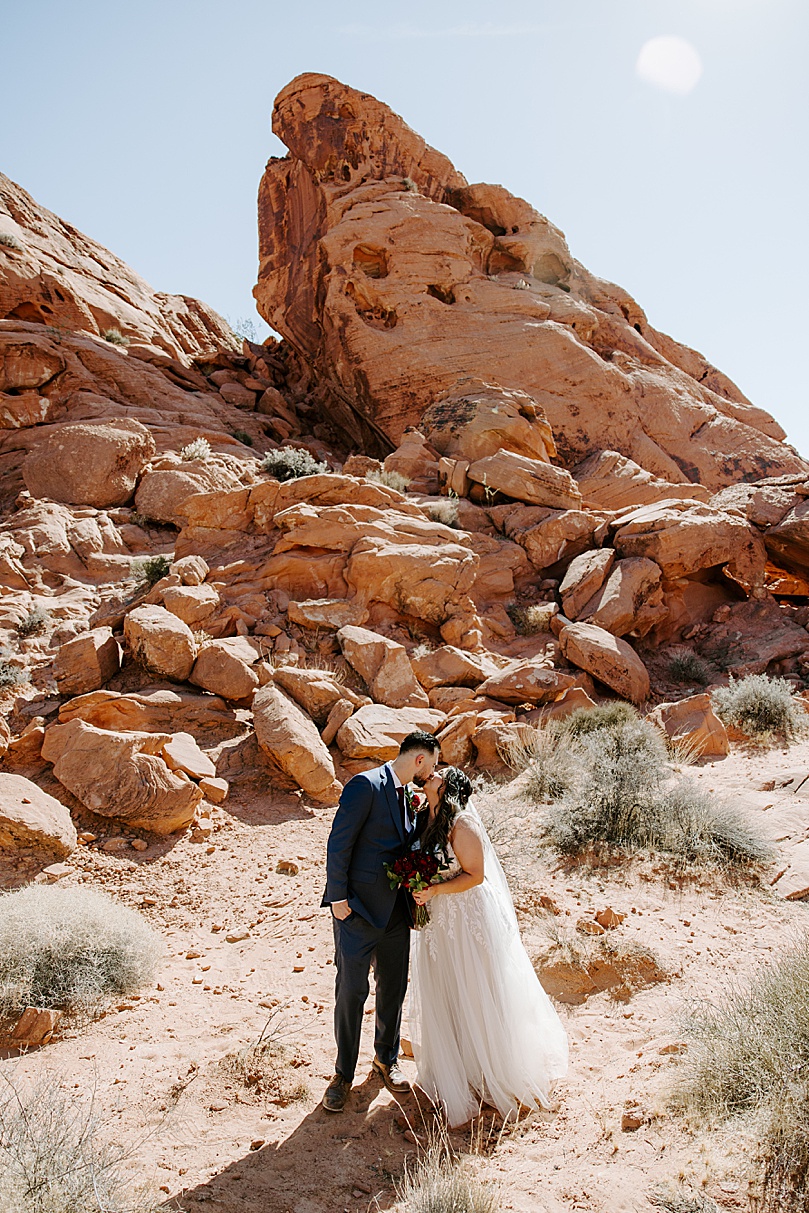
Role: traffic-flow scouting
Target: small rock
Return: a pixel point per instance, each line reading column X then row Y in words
column 148, row 901
column 609, row 918
column 287, row 867
column 35, row 1026
column 588, row 927
column 193, row 954
column 87, row 836
column 547, row 903
column 677, row 1046
column 257, row 1143
column 218, row 1105
column 56, row 871
column 139, row 844
column 237, row 936
column 298, row 968
column 406, row 1047
column 632, row 1119
column 214, row 788
column 114, row 844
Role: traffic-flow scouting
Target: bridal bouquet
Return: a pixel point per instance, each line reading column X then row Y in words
column 414, row 872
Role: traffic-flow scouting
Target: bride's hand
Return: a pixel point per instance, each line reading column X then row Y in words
column 422, row 896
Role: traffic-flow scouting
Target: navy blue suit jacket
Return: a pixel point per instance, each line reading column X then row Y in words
column 366, row 834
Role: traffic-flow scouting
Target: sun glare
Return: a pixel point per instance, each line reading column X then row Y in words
column 671, row 63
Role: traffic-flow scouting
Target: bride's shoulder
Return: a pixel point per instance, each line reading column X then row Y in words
column 468, row 821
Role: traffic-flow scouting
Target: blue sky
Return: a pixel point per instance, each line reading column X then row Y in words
column 147, row 126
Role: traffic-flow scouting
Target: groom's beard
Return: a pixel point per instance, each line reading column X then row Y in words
column 420, row 780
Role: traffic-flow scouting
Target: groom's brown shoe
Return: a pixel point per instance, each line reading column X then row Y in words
column 392, row 1077
column 336, row 1094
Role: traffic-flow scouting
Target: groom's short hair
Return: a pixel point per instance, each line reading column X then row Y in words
column 419, row 741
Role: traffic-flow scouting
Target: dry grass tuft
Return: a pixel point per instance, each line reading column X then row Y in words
column 441, row 1182
column 749, row 1055
column 675, row 1199
column 531, row 620
column 760, row 707
column 445, row 511
column 292, row 462
column 269, row 1066
column 688, row 667
column 391, row 480
column 35, row 622
column 58, row 1154
column 71, row 948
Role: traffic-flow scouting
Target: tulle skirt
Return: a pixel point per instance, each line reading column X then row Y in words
column 483, row 1028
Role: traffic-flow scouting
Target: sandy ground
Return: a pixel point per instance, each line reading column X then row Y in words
column 159, row 1062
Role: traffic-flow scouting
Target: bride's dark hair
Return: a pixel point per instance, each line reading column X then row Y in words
column 454, row 799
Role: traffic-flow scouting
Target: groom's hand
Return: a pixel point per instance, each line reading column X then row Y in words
column 340, row 909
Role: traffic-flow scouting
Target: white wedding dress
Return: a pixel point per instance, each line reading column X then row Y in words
column 483, row 1028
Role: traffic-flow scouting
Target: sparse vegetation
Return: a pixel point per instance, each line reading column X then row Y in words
column 35, row 622
column 10, row 674
column 530, row 620
column 115, row 337
column 148, row 570
column 410, row 185
column 71, row 949
column 445, row 510
column 391, row 480
column 760, row 707
column 610, row 961
column 675, row 1199
column 269, row 1066
column 7, row 240
column 686, row 666
column 57, row 1154
column 245, row 328
column 242, row 436
column 291, row 462
column 610, row 716
column 200, row 448
column 620, row 795
column 749, row 1055
column 543, row 753
column 440, row 1182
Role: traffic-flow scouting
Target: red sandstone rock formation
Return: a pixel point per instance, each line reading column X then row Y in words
column 397, row 281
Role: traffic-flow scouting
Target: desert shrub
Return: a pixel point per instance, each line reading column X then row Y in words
column 687, row 666
column 749, row 1054
column 115, row 337
column 445, row 510
column 759, row 706
column 242, row 436
column 391, row 480
column 147, row 570
column 291, row 462
column 269, row 1066
column 410, row 185
column 59, row 1155
column 530, row 620
column 70, row 948
column 35, row 622
column 9, row 241
column 440, row 1182
column 200, row 448
column 10, row 674
column 544, row 754
column 676, row 1199
column 610, row 716
column 620, row 794
column 245, row 328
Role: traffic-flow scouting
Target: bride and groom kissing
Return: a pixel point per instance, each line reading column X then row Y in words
column 483, row 1029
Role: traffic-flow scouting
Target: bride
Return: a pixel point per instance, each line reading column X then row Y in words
column 483, row 1028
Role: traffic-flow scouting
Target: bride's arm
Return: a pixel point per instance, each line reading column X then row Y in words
column 468, row 850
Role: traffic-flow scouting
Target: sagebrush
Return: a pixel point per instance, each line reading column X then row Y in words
column 10, row 674
column 391, row 480
column 686, row 666
column 444, row 510
column 148, row 570
column 200, row 448
column 9, row 241
column 35, row 622
column 71, row 949
column 115, row 337
column 60, row 1154
column 749, row 1056
column 760, row 707
column 290, row 463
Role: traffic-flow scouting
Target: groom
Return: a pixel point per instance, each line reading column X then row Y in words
column 373, row 825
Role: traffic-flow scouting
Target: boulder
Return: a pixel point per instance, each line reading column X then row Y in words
column 181, row 753
column 477, row 419
column 289, row 738
column 122, row 776
column 225, row 667
column 194, row 604
column 87, row 662
column 30, row 818
column 694, row 722
column 549, row 536
column 5, row 735
column 384, row 667
column 456, row 739
column 214, row 789
column 416, row 461
column 160, row 642
column 583, row 579
column 631, row 599
column 336, row 718
column 317, row 691
column 788, row 540
column 192, row 570
column 377, row 731
column 607, row 657
column 169, row 482
column 571, row 700
column 529, row 681
column 153, row 710
column 329, row 613
column 89, row 462
column 526, row 480
column 448, row 666
column 683, row 537
column 611, row 481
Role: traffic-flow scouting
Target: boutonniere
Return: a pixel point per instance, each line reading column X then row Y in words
column 415, row 801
